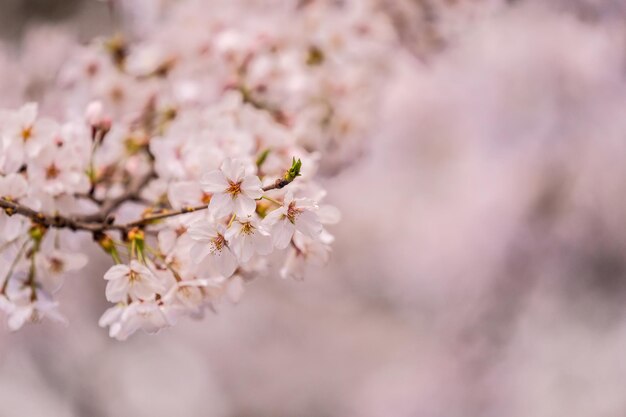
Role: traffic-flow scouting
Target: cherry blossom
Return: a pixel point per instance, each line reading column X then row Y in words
column 55, row 263
column 295, row 214
column 124, row 320
column 136, row 281
column 26, row 132
column 22, row 305
column 232, row 190
column 247, row 236
column 210, row 241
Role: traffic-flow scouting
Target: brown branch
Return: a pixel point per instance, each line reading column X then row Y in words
column 101, row 221
column 58, row 222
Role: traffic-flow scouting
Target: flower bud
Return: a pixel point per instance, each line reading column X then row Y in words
column 106, row 243
column 37, row 232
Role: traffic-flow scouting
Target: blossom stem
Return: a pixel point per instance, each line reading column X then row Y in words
column 31, row 282
column 12, row 267
column 116, row 257
column 272, row 200
column 232, row 219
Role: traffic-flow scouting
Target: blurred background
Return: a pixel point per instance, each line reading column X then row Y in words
column 485, row 276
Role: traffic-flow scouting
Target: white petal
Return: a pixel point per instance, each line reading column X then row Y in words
column 308, row 223
column 233, row 169
column 141, row 269
column 167, row 240
column 142, row 289
column 199, row 251
column 274, row 216
column 117, row 290
column 224, row 261
column 184, row 193
column 244, row 206
column 246, row 249
column 28, row 113
column 214, row 182
column 294, row 267
column 110, row 316
column 282, row 232
column 262, row 243
column 116, row 272
column 251, row 186
column 221, row 205
column 201, row 232
column 19, row 317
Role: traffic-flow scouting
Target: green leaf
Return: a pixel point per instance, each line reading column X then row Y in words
column 261, row 159
column 294, row 171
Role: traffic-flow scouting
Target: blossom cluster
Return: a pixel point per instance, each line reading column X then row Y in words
column 188, row 153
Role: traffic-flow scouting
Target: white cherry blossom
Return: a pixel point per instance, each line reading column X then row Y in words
column 210, row 241
column 136, row 281
column 296, row 214
column 232, row 190
column 26, row 132
column 247, row 237
column 124, row 320
column 21, row 307
column 54, row 264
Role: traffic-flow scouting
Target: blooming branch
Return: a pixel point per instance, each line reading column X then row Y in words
column 198, row 129
column 91, row 223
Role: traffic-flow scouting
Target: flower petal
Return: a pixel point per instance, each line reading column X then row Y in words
column 244, row 206
column 116, row 272
column 221, row 205
column 199, row 251
column 251, row 186
column 116, row 290
column 282, row 232
column 224, row 261
column 214, row 182
column 308, row 224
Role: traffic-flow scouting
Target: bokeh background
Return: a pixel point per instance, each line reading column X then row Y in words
column 479, row 269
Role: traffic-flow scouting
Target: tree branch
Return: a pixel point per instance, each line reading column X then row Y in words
column 102, row 221
column 58, row 222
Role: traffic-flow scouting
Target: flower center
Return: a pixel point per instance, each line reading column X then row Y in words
column 52, row 172
column 133, row 276
column 218, row 243
column 293, row 212
column 247, row 228
column 181, row 230
column 56, row 265
column 27, row 133
column 234, row 189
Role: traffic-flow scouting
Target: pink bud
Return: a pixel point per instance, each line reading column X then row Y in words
column 94, row 113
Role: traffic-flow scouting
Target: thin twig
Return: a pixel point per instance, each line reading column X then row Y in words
column 109, row 206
